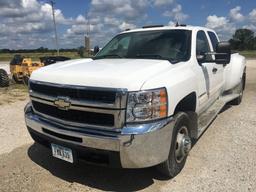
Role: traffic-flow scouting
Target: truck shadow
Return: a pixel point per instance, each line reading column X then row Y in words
column 225, row 108
column 102, row 178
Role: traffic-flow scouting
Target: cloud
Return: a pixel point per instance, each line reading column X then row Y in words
column 107, row 18
column 28, row 22
column 171, row 23
column 252, row 16
column 250, row 26
column 235, row 14
column 80, row 19
column 126, row 9
column 176, row 14
column 163, row 2
column 123, row 26
column 216, row 22
column 17, row 8
column 225, row 26
column 9, row 4
column 21, row 20
column 221, row 25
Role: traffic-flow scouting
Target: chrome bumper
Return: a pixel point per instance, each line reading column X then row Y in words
column 139, row 145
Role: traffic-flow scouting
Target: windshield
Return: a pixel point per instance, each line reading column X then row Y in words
column 172, row 45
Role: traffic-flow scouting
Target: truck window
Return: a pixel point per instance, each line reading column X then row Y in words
column 202, row 45
column 120, row 46
column 172, row 45
column 214, row 39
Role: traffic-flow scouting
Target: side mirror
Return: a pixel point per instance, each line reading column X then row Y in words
column 223, row 53
column 96, row 50
column 200, row 58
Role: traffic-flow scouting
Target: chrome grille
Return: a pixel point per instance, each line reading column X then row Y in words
column 79, row 93
column 102, row 108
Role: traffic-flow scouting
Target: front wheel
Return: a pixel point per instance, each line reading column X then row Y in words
column 180, row 147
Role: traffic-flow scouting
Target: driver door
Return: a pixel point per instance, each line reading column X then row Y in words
column 208, row 70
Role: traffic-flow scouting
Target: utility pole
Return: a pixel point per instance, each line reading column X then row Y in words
column 55, row 28
column 88, row 25
column 87, row 36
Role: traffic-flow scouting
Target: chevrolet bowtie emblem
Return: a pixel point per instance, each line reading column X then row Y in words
column 62, row 103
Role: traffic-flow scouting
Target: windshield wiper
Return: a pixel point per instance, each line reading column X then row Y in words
column 108, row 56
column 154, row 56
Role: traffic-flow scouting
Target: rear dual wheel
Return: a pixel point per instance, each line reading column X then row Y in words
column 180, row 147
column 240, row 91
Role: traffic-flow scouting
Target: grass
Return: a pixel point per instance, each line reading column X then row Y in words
column 36, row 56
column 248, row 53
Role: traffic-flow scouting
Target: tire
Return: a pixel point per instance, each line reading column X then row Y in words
column 177, row 157
column 25, row 80
column 16, row 79
column 4, row 79
column 238, row 100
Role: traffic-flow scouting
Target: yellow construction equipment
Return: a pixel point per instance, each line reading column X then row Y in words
column 22, row 67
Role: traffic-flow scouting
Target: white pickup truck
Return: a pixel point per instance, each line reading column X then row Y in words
column 142, row 101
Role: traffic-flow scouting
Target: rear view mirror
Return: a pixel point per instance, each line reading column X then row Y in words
column 223, row 53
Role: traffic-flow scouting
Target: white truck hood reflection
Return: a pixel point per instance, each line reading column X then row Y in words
column 112, row 73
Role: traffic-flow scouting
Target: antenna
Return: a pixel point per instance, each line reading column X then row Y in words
column 180, row 25
column 55, row 28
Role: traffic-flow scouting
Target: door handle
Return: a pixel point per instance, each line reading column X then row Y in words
column 214, row 70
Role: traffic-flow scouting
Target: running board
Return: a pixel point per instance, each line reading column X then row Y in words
column 205, row 119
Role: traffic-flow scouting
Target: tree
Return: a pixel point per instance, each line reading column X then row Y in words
column 243, row 39
column 81, row 51
column 254, row 43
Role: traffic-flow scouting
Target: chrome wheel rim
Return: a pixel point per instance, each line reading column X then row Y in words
column 183, row 144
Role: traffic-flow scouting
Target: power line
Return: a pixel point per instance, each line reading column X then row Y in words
column 55, row 28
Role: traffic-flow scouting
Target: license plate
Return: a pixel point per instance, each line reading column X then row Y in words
column 62, row 153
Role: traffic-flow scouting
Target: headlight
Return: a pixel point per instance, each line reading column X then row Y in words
column 146, row 105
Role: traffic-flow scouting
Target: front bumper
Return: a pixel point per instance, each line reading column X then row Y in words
column 136, row 146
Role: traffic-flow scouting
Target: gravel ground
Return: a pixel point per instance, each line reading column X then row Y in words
column 224, row 159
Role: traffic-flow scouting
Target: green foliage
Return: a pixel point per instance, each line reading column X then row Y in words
column 248, row 53
column 80, row 51
column 36, row 55
column 39, row 50
column 243, row 39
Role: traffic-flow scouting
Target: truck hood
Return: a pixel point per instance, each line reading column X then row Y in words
column 112, row 73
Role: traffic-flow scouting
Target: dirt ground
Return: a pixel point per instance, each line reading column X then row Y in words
column 13, row 93
column 224, row 159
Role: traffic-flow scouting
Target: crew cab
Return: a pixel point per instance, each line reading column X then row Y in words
column 142, row 101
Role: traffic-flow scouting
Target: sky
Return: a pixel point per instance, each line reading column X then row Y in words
column 27, row 24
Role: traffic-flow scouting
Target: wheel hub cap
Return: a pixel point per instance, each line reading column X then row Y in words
column 186, row 143
column 183, row 144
